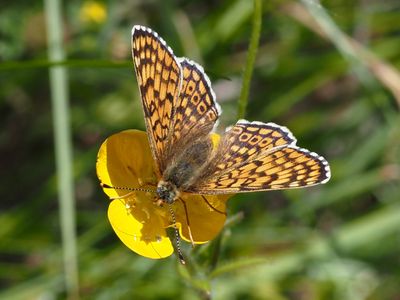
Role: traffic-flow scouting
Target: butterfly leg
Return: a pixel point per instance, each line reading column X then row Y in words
column 159, row 202
column 123, row 196
column 187, row 221
column 149, row 182
column 129, row 203
column 212, row 207
column 146, row 182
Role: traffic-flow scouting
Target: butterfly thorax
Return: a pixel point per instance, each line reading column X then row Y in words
column 184, row 170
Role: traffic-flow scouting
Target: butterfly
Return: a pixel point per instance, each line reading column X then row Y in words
column 181, row 112
column 194, row 171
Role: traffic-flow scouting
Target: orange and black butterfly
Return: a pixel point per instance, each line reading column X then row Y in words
column 181, row 113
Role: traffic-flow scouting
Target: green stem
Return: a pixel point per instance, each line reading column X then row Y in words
column 63, row 149
column 217, row 243
column 251, row 57
column 216, row 251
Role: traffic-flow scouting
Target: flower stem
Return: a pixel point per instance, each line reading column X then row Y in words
column 251, row 57
column 217, row 243
column 215, row 254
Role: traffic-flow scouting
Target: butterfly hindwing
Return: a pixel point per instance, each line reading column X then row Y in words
column 196, row 109
column 246, row 140
column 256, row 157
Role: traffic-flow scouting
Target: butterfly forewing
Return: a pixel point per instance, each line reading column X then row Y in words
column 159, row 77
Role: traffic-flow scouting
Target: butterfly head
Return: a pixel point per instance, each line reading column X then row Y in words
column 167, row 191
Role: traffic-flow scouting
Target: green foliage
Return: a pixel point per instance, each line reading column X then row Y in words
column 328, row 73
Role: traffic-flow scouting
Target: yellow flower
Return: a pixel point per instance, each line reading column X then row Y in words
column 93, row 12
column 125, row 160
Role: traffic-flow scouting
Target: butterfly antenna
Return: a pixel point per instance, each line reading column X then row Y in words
column 178, row 239
column 106, row 186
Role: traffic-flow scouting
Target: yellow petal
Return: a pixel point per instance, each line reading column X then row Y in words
column 206, row 218
column 138, row 230
column 125, row 160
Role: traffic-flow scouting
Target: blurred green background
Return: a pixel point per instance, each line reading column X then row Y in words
column 329, row 73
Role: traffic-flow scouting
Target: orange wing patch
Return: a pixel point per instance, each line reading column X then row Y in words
column 159, row 77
